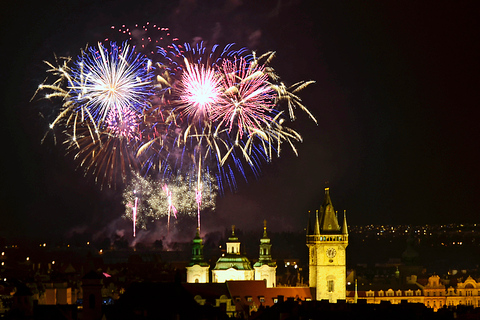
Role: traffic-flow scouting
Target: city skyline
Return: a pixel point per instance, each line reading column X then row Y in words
column 394, row 97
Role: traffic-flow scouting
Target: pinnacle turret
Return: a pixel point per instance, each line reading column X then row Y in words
column 344, row 226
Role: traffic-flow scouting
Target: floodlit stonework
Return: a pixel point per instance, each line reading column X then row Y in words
column 327, row 244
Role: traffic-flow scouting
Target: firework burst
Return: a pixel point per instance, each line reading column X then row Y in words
column 103, row 81
column 159, row 198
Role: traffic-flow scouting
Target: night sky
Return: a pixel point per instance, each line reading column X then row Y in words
column 396, row 98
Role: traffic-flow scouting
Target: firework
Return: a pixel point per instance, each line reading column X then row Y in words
column 171, row 207
column 181, row 198
column 193, row 117
column 134, row 208
column 248, row 100
column 108, row 157
column 103, row 81
column 199, row 90
column 135, row 199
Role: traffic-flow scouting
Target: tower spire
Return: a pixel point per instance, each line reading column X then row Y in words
column 265, row 267
column 328, row 219
column 316, row 230
column 344, row 226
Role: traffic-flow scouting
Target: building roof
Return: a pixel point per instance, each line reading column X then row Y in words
column 235, row 261
column 326, row 220
column 256, row 293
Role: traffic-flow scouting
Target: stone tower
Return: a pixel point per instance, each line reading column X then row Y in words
column 265, row 267
column 327, row 243
column 198, row 268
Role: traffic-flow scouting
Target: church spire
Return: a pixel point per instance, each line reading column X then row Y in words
column 328, row 220
column 197, row 250
column 233, row 245
column 265, row 229
column 265, row 256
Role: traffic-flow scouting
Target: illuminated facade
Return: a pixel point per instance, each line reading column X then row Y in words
column 265, row 267
column 433, row 294
column 327, row 244
column 198, row 269
column 232, row 265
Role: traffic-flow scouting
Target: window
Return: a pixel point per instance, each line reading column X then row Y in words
column 330, row 286
column 249, row 299
column 262, row 299
column 370, row 293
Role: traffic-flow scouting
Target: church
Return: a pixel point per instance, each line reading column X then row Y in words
column 326, row 240
column 233, row 266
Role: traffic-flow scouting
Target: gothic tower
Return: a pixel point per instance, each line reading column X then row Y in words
column 265, row 267
column 198, row 269
column 326, row 244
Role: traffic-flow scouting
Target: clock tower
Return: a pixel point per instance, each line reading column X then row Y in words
column 326, row 243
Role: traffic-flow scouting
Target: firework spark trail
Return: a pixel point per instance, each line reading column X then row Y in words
column 134, row 214
column 171, row 207
column 198, row 199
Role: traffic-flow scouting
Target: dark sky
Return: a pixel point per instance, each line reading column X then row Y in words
column 396, row 97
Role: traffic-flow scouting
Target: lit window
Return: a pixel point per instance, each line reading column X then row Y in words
column 330, row 286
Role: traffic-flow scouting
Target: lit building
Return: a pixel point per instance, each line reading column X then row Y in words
column 466, row 293
column 232, row 265
column 198, row 269
column 265, row 267
column 432, row 292
column 327, row 244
